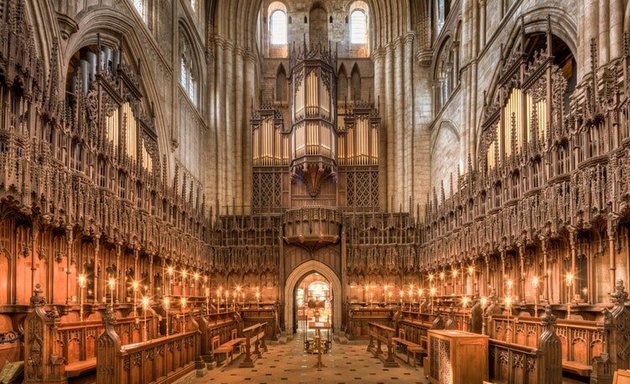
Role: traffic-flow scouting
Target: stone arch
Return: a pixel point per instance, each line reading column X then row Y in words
column 318, row 25
column 342, row 84
column 281, row 84
column 294, row 279
column 355, row 79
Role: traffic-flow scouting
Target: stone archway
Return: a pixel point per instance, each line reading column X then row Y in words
column 294, row 279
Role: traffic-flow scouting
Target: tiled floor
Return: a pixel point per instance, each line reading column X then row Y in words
column 345, row 364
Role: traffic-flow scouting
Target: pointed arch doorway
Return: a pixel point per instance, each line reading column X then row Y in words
column 293, row 281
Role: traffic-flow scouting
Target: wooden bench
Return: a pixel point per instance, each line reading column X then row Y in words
column 382, row 334
column 78, row 368
column 410, row 348
column 254, row 337
column 577, row 368
column 228, row 348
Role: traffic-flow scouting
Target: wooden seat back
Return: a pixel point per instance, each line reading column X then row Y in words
column 621, row 377
column 216, row 342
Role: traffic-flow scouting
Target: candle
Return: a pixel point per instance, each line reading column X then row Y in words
column 167, row 304
column 112, row 285
column 145, row 306
column 183, row 302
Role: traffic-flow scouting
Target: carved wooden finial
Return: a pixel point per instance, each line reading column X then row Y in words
column 37, row 300
column 548, row 319
column 620, row 296
column 109, row 320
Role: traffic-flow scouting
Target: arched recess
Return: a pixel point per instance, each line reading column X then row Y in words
column 294, row 279
column 355, row 79
column 318, row 25
column 342, row 85
column 281, row 84
column 119, row 29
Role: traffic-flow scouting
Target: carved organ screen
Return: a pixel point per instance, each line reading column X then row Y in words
column 359, row 144
column 269, row 145
column 529, row 100
column 521, row 118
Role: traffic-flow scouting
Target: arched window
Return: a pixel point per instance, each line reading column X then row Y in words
column 278, row 24
column 188, row 75
column 358, row 26
column 141, row 7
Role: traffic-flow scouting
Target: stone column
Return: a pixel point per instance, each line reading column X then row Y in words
column 408, row 123
column 230, row 124
column 399, row 162
column 240, row 128
column 389, row 123
column 221, row 128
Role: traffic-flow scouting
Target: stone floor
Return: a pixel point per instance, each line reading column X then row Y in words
column 288, row 363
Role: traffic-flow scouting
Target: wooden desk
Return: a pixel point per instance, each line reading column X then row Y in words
column 457, row 357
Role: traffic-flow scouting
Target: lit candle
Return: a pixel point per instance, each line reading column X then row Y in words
column 82, row 281
column 535, row 283
column 112, row 285
column 207, row 289
column 145, row 306
column 134, row 285
column 167, row 305
column 183, row 302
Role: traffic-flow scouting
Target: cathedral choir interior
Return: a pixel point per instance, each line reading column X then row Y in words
column 315, row 191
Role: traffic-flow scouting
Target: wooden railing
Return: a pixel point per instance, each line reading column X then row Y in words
column 382, row 335
column 253, row 316
column 163, row 359
column 359, row 318
column 254, row 337
column 78, row 339
column 210, row 326
column 581, row 340
column 513, row 363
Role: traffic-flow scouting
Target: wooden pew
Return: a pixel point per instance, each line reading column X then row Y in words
column 254, row 337
column 164, row 359
column 253, row 316
column 77, row 341
column 213, row 327
column 410, row 348
column 227, row 348
column 359, row 317
column 382, row 334
column 581, row 340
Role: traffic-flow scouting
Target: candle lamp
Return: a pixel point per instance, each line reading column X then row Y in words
column 508, row 306
column 184, row 275
column 432, row 293
column 111, row 283
column 236, row 294
column 536, row 284
column 402, row 293
column 257, row 299
column 145, row 306
column 196, row 279
column 167, row 305
column 135, row 285
column 569, row 281
column 170, row 272
column 207, row 289
column 82, row 284
column 183, row 302
column 389, row 297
